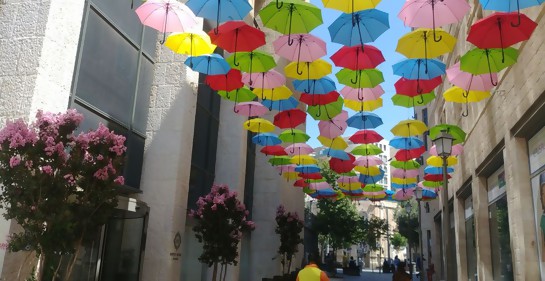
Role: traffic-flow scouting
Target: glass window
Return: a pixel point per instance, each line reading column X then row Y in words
column 142, row 98
column 122, row 16
column 500, row 240
column 470, row 240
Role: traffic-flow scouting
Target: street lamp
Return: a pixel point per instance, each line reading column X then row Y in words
column 443, row 143
column 418, row 195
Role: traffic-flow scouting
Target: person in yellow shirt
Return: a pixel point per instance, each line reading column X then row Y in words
column 311, row 272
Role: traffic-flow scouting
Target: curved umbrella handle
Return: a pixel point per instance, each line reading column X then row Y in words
column 518, row 12
column 357, row 76
column 492, row 80
column 319, row 113
column 335, row 124
column 435, row 38
column 466, row 113
column 279, row 6
column 421, row 101
column 235, row 110
column 490, row 69
column 360, row 91
column 300, row 72
column 236, row 63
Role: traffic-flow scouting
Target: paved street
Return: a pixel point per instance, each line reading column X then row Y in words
column 368, row 276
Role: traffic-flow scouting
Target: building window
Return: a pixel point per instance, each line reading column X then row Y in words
column 471, row 251
column 537, row 170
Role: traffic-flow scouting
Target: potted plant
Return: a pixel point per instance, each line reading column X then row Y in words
column 289, row 227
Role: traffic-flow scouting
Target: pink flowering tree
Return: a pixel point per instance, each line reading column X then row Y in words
column 289, row 227
column 58, row 186
column 220, row 221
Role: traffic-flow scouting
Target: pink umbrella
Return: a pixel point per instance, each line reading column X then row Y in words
column 468, row 81
column 457, row 149
column 299, row 149
column 285, row 168
column 362, row 94
column 404, row 194
column 348, row 179
column 367, row 161
column 166, row 16
column 267, row 80
column 334, row 127
column 319, row 185
column 400, row 173
column 300, row 47
column 250, row 109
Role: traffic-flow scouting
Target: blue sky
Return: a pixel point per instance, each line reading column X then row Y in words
column 389, row 113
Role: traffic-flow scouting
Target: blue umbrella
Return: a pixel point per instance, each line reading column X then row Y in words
column 411, row 69
column 335, row 153
column 437, row 170
column 366, row 179
column 315, row 86
column 429, row 193
column 281, row 105
column 406, row 143
column 307, row 169
column 364, row 120
column 220, row 10
column 510, row 6
column 403, row 186
column 359, row 27
column 389, row 192
column 266, row 139
column 213, row 64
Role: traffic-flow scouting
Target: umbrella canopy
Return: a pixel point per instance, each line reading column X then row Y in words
column 364, row 120
column 289, row 118
column 334, row 127
column 253, row 61
column 498, row 30
column 362, row 93
column 366, row 150
column 308, row 70
column 408, row 154
column 316, row 99
column 225, row 82
column 437, row 161
column 220, row 10
column 307, row 169
column 456, row 132
column 404, row 180
column 509, row 5
column 238, row 95
column 371, row 171
column 368, row 105
column 409, row 87
column 406, row 142
column 418, row 44
column 237, row 36
column 212, row 64
column 400, row 173
column 266, row 139
column 303, row 160
column 291, row 16
column 416, row 69
column 373, row 188
column 358, row 57
column 293, row 136
column 407, row 128
column 301, row 183
column 264, row 80
column 327, row 111
column 405, row 165
column 280, row 105
column 408, row 101
column 323, row 85
column 286, row 168
column 459, row 95
column 363, row 78
column 369, row 179
column 278, row 93
column 342, row 166
column 365, row 137
column 166, row 16
column 250, row 109
column 457, row 149
column 350, row 6
column 436, row 170
column 258, row 125
column 280, row 160
column 311, row 176
column 299, row 149
column 276, row 150
column 359, row 27
column 193, row 43
column 431, row 177
column 329, row 152
column 426, row 13
column 367, row 161
column 468, row 81
column 335, row 143
column 403, row 194
column 303, row 47
column 481, row 61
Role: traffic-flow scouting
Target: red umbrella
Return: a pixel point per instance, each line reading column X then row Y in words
column 365, row 136
column 342, row 166
column 319, row 99
column 358, row 57
column 301, row 183
column 413, row 88
column 500, row 31
column 313, row 176
column 408, row 154
column 225, row 82
column 237, row 36
column 430, row 177
column 275, row 150
column 289, row 118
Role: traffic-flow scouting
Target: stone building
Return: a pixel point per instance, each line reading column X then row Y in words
column 95, row 56
column 494, row 194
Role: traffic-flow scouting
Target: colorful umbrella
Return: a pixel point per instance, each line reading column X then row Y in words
column 275, row 150
column 278, row 93
column 323, row 85
column 437, row 161
column 366, row 150
column 289, row 118
column 303, row 160
column 316, row 99
column 363, row 78
column 408, row 154
column 418, row 100
column 358, row 57
column 481, row 61
column 238, row 95
column 432, row 184
column 266, row 139
column 267, row 80
column 280, row 160
column 468, row 81
column 406, row 143
column 293, row 136
column 350, row 6
column 166, row 16
column 408, row 87
column 303, row 47
column 456, row 132
column 250, row 109
column 280, row 105
column 311, row 176
column 212, row 64
column 416, row 69
column 364, row 120
column 308, row 70
column 403, row 194
column 286, row 168
column 367, row 105
column 457, row 149
column 431, row 177
column 417, row 44
column 193, row 43
column 407, row 128
column 301, row 183
column 436, row 170
column 459, row 95
column 373, row 188
column 258, row 125
column 403, row 186
column 253, row 61
column 510, row 5
column 335, row 143
column 404, row 180
column 342, row 166
column 237, row 36
column 366, row 161
column 371, row 171
column 225, row 82
column 362, row 93
column 220, row 10
column 400, row 173
column 358, row 28
column 329, row 152
column 307, row 169
column 369, row 179
column 365, row 137
column 331, row 110
column 405, row 165
column 299, row 149
column 334, row 127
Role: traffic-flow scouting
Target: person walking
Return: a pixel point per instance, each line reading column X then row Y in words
column 311, row 272
column 401, row 273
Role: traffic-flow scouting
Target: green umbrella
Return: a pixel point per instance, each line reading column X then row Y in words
column 373, row 188
column 238, row 95
column 280, row 160
column 456, row 132
column 326, row 111
column 293, row 136
column 481, row 61
column 366, row 149
column 291, row 16
column 405, row 165
column 418, row 100
column 254, row 61
column 363, row 78
column 432, row 183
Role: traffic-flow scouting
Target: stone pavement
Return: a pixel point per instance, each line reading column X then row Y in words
column 367, row 276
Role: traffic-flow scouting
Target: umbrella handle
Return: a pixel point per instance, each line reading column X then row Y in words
column 279, row 6
column 354, row 82
column 421, row 101
column 236, row 63
column 360, row 91
column 435, row 38
column 235, row 110
column 300, row 72
column 466, row 113
column 518, row 12
column 490, row 69
column 319, row 111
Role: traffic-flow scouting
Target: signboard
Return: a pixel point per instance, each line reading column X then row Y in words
column 536, row 151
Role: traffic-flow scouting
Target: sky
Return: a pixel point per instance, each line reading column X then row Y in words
column 387, row 42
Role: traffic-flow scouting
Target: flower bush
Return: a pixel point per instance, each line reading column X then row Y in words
column 57, row 185
column 221, row 219
column 289, row 226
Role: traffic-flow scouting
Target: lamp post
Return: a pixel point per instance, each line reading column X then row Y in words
column 418, row 195
column 408, row 209
column 443, row 143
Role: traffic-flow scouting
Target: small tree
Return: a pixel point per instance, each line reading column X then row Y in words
column 221, row 219
column 289, row 226
column 398, row 241
column 58, row 186
column 374, row 228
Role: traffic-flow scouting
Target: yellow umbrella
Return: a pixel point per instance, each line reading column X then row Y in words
column 459, row 95
column 258, row 125
column 375, row 196
column 407, row 128
column 368, row 105
column 193, row 43
column 419, row 44
column 308, row 70
column 437, row 161
column 336, row 143
column 404, row 180
column 304, row 160
column 278, row 93
column 369, row 171
column 350, row 186
column 349, row 6
column 291, row 175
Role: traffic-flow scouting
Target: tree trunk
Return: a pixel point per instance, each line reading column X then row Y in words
column 289, row 264
column 215, row 271
column 74, row 258
column 225, row 273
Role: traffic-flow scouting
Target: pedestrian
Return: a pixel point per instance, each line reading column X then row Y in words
column 431, row 271
column 401, row 273
column 396, row 261
column 311, row 272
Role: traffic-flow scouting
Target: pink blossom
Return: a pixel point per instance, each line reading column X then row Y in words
column 214, row 207
column 100, row 157
column 101, row 174
column 47, row 170
column 14, row 161
column 120, row 180
column 70, row 179
column 28, row 164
